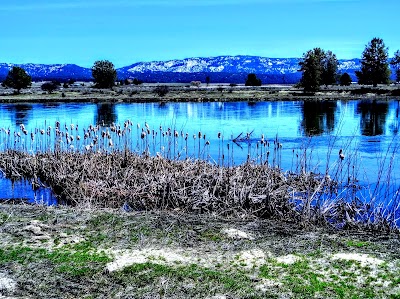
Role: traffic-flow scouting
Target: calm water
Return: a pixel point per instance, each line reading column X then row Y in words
column 367, row 131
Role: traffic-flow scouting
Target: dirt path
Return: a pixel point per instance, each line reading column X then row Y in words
column 48, row 252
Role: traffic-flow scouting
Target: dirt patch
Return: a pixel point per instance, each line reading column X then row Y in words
column 59, row 252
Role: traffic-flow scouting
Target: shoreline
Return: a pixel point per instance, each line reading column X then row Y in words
column 215, row 93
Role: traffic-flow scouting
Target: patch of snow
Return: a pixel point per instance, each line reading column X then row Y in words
column 253, row 257
column 364, row 259
column 287, row 259
column 237, row 234
column 7, row 284
column 157, row 256
column 267, row 284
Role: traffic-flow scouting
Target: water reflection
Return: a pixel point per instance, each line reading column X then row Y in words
column 20, row 113
column 394, row 126
column 373, row 117
column 289, row 121
column 105, row 114
column 318, row 117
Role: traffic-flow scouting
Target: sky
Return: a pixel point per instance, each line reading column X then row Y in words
column 125, row 32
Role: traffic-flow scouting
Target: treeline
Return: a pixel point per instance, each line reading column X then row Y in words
column 317, row 67
column 320, row 67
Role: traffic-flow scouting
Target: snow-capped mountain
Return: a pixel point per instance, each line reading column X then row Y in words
column 230, row 69
column 49, row 71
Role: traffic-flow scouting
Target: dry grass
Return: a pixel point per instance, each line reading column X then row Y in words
column 134, row 182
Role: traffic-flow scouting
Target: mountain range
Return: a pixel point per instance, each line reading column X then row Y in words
column 221, row 69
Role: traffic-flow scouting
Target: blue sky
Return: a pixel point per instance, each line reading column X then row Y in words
column 125, row 32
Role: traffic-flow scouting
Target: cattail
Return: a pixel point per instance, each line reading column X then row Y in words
column 142, row 135
column 199, row 135
column 32, row 136
column 219, row 135
column 42, row 131
column 207, row 142
column 72, row 126
column 78, row 137
column 110, row 143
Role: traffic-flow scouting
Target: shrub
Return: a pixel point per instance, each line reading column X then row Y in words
column 49, row 87
column 345, row 79
column 252, row 80
column 161, row 90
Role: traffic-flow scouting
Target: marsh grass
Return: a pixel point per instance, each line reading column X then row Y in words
column 135, row 167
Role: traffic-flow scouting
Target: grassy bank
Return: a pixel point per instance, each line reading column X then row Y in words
column 94, row 253
column 187, row 93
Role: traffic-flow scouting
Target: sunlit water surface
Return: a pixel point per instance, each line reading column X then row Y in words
column 366, row 131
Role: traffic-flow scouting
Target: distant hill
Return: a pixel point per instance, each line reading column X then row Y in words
column 221, row 69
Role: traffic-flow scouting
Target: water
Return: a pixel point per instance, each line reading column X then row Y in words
column 366, row 130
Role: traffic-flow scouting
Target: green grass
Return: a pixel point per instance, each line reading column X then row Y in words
column 339, row 278
column 78, row 260
column 206, row 280
column 357, row 244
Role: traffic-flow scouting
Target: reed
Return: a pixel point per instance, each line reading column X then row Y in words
column 112, row 166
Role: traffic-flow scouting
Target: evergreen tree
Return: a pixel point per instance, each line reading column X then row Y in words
column 374, row 64
column 312, row 66
column 330, row 66
column 104, row 74
column 345, row 79
column 395, row 62
column 252, row 80
column 18, row 79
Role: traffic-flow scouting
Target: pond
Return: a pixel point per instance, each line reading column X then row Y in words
column 291, row 135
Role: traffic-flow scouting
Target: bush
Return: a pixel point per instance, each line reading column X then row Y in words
column 49, row 87
column 161, row 90
column 252, row 80
column 137, row 81
column 345, row 79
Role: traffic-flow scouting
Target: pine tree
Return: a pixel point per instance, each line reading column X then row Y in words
column 330, row 67
column 374, row 64
column 395, row 62
column 313, row 69
column 345, row 79
column 18, row 79
column 104, row 74
column 252, row 80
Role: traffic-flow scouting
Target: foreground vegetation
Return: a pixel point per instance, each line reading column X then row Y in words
column 86, row 252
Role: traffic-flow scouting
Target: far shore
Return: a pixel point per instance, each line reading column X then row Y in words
column 179, row 92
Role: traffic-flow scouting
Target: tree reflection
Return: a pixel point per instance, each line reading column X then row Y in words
column 318, row 117
column 373, row 117
column 105, row 114
column 394, row 127
column 21, row 113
